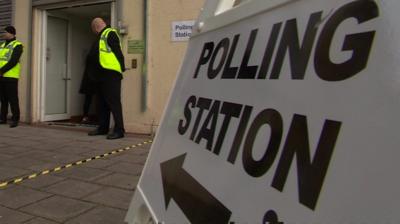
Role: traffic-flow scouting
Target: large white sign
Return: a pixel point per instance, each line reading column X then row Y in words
column 288, row 116
column 181, row 30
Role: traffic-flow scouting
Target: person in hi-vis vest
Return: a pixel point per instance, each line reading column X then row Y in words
column 107, row 63
column 10, row 67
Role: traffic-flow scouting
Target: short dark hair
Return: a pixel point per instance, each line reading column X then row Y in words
column 10, row 29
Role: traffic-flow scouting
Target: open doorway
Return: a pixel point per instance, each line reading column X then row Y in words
column 67, row 40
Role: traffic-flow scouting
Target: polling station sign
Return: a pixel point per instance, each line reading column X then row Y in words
column 181, row 30
column 290, row 115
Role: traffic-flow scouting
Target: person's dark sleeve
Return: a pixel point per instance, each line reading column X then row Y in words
column 16, row 55
column 113, row 42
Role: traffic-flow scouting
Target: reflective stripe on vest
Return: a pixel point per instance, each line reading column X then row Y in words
column 5, row 56
column 108, row 60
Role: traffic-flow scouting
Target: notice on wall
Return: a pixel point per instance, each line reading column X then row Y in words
column 181, row 30
column 135, row 47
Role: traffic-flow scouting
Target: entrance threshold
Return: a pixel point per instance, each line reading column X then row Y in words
column 69, row 124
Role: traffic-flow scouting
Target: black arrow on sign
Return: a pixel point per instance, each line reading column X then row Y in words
column 195, row 201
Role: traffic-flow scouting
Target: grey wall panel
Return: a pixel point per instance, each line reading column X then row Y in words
column 5, row 13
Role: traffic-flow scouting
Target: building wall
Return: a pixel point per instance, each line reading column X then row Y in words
column 22, row 20
column 164, row 64
column 132, row 18
column 164, row 58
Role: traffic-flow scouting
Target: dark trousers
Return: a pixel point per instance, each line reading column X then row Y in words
column 109, row 101
column 86, row 104
column 9, row 96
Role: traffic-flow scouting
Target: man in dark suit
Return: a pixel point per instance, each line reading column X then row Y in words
column 106, row 55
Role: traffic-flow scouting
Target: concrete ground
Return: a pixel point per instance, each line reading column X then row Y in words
column 94, row 192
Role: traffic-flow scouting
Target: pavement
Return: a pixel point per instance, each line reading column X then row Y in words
column 52, row 175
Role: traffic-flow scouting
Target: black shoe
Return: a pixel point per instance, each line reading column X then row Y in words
column 3, row 122
column 115, row 135
column 14, row 124
column 97, row 132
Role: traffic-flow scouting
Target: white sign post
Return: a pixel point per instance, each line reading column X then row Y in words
column 287, row 115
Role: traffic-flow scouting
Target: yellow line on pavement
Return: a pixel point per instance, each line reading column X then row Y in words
column 4, row 184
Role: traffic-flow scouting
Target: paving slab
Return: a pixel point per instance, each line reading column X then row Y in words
column 5, row 157
column 42, row 181
column 40, row 221
column 18, row 196
column 58, row 208
column 23, row 142
column 101, row 163
column 44, row 166
column 127, row 168
column 22, row 162
column 48, row 146
column 120, row 181
column 83, row 173
column 73, row 188
column 131, row 157
column 74, row 149
column 63, row 158
column 14, row 150
column 100, row 215
column 37, row 154
column 111, row 197
column 9, row 216
column 10, row 172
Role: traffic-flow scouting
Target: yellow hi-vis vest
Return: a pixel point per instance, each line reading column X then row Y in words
column 108, row 60
column 5, row 56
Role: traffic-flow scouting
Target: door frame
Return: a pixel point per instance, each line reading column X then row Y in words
column 39, row 51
